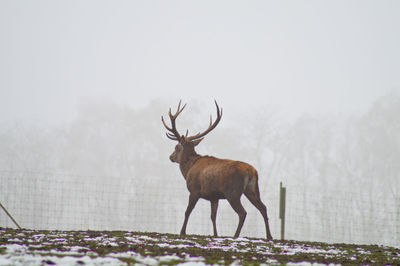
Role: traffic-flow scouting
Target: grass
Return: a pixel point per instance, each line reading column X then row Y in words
column 127, row 248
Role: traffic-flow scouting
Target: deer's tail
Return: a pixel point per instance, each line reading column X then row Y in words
column 252, row 184
column 257, row 189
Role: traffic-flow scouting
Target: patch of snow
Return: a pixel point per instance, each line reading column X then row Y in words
column 15, row 240
column 192, row 263
column 149, row 261
column 167, row 258
column 290, row 250
column 16, row 249
column 132, row 239
column 147, row 238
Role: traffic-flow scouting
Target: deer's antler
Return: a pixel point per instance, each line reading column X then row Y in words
column 173, row 134
column 210, row 127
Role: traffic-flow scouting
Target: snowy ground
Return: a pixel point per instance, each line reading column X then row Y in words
column 27, row 247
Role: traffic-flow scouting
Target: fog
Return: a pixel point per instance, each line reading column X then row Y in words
column 310, row 93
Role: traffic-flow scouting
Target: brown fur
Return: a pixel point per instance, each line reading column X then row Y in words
column 213, row 179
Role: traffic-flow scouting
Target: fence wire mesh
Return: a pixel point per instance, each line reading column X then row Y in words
column 56, row 201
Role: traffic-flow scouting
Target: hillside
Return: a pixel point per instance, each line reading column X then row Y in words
column 119, row 248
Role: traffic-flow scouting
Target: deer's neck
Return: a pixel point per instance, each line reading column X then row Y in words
column 186, row 164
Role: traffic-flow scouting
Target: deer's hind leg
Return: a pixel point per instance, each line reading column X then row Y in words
column 253, row 194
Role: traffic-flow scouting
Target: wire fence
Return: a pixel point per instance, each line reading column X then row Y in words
column 340, row 216
column 56, row 201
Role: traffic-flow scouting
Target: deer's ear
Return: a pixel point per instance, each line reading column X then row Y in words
column 197, row 141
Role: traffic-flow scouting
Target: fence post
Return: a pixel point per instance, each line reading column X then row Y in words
column 397, row 219
column 282, row 209
column 9, row 215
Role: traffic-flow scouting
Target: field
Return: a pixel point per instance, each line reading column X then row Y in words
column 30, row 247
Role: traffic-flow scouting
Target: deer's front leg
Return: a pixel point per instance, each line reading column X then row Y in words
column 192, row 202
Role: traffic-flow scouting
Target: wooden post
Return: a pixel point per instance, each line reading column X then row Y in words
column 9, row 215
column 282, row 209
column 397, row 206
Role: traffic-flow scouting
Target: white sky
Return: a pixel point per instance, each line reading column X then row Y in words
column 302, row 56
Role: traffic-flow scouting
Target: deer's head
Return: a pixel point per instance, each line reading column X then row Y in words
column 185, row 147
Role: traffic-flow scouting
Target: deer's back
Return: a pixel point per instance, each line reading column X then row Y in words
column 214, row 178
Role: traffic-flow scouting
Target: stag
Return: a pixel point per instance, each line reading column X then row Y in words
column 212, row 178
